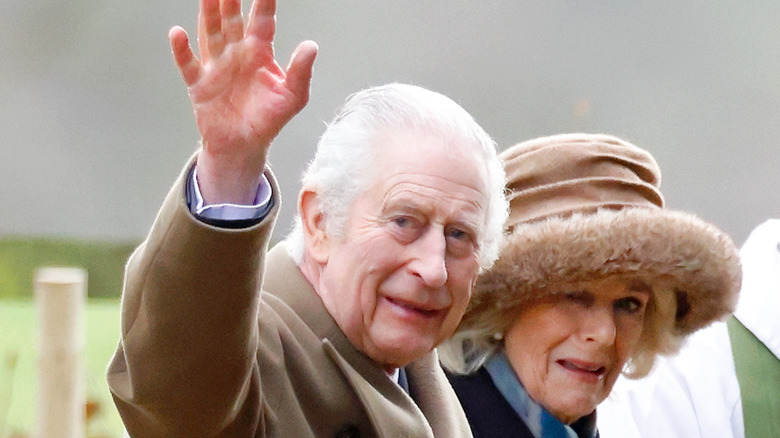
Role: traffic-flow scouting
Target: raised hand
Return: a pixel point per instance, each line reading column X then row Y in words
column 240, row 95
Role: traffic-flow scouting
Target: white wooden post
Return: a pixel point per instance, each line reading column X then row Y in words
column 60, row 297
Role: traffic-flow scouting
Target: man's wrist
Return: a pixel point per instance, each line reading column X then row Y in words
column 224, row 213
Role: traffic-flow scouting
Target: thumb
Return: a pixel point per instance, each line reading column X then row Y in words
column 299, row 69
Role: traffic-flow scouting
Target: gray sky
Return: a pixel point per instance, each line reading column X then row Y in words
column 95, row 123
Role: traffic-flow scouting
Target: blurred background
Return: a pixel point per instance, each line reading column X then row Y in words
column 95, row 123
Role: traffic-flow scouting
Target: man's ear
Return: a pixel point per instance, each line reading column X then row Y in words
column 315, row 236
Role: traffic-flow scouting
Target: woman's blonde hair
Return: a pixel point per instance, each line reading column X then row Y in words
column 481, row 333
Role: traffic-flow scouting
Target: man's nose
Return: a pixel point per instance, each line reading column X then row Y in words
column 599, row 326
column 429, row 262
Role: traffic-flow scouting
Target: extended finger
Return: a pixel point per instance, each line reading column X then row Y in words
column 262, row 20
column 232, row 21
column 188, row 65
column 299, row 70
column 210, row 38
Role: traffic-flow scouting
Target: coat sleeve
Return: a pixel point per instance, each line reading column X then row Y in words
column 186, row 363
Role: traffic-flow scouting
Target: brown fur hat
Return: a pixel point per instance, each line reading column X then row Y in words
column 585, row 206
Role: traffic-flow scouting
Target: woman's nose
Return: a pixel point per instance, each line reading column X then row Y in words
column 599, row 326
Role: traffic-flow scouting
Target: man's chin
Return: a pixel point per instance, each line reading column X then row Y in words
column 399, row 352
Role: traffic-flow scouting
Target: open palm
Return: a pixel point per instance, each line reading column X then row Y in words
column 240, row 95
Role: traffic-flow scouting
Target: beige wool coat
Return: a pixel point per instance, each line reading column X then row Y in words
column 205, row 353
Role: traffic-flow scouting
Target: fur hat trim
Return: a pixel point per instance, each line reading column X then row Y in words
column 702, row 261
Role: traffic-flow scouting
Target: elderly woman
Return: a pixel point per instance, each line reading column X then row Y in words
column 596, row 279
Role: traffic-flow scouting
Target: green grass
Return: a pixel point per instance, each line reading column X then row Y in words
column 18, row 351
column 21, row 256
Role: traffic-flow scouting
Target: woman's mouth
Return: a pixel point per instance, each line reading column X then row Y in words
column 589, row 371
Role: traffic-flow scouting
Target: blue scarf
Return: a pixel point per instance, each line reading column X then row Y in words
column 541, row 423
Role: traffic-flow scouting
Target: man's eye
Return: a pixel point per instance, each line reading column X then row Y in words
column 405, row 228
column 458, row 234
column 460, row 243
column 402, row 221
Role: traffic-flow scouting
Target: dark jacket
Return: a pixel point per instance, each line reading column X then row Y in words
column 488, row 412
column 491, row 416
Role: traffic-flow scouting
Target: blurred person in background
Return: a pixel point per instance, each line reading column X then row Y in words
column 725, row 383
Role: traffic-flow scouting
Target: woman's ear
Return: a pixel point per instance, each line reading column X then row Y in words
column 313, row 220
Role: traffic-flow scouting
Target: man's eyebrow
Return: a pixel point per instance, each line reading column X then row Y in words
column 470, row 216
column 470, row 225
column 404, row 205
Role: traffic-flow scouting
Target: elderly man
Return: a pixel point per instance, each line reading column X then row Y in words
column 400, row 209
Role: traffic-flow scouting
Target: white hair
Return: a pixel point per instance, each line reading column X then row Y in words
column 340, row 169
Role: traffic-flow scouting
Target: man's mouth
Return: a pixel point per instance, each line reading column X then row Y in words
column 414, row 308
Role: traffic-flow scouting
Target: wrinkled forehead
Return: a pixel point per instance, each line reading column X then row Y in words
column 431, row 145
column 413, row 157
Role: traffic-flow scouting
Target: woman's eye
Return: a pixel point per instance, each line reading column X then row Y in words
column 581, row 296
column 630, row 305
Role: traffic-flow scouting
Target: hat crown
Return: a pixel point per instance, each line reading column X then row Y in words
column 569, row 173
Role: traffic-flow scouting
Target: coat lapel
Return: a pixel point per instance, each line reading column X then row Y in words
column 394, row 414
column 434, row 395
